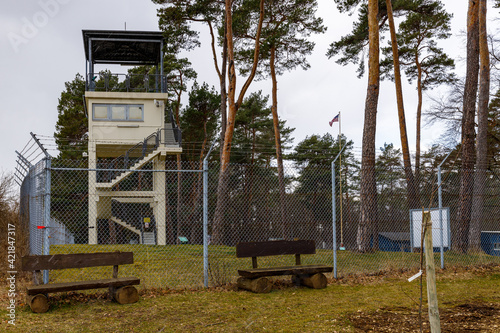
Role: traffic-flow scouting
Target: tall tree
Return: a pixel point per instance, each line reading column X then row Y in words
column 233, row 104
column 176, row 18
column 365, row 32
column 284, row 46
column 482, row 133
column 368, row 190
column 420, row 56
column 351, row 47
column 413, row 197
column 468, row 134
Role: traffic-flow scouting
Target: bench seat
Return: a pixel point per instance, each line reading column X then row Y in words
column 82, row 285
column 255, row 279
column 285, row 270
column 121, row 289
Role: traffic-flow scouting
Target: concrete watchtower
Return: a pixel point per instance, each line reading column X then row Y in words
column 128, row 130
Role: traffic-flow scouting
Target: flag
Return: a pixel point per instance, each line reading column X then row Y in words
column 334, row 120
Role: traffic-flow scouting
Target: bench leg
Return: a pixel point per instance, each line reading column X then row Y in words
column 39, row 303
column 316, row 281
column 126, row 295
column 259, row 285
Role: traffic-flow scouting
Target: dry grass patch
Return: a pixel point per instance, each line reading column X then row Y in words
column 469, row 299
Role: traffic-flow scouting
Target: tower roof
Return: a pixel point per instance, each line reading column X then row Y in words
column 123, row 47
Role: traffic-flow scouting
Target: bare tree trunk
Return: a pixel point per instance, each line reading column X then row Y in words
column 277, row 142
column 482, row 134
column 223, row 97
column 469, row 110
column 222, row 80
column 413, row 198
column 419, row 120
column 368, row 190
column 222, row 187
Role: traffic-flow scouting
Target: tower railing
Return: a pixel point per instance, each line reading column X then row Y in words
column 106, row 81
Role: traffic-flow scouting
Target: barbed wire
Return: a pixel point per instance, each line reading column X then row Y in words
column 194, row 148
column 22, row 151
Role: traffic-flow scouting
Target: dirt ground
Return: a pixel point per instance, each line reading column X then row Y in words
column 474, row 316
column 469, row 317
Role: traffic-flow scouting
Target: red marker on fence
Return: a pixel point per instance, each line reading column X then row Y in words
column 41, row 227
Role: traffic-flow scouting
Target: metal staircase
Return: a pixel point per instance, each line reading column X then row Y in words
column 131, row 215
column 136, row 157
column 139, row 164
column 127, row 226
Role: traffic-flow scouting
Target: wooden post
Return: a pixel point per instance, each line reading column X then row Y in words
column 316, row 281
column 259, row 285
column 431, row 275
column 126, row 295
column 39, row 303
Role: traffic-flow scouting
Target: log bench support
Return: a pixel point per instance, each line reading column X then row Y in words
column 256, row 280
column 122, row 290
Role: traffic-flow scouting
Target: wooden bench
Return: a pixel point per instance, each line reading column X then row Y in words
column 121, row 289
column 255, row 279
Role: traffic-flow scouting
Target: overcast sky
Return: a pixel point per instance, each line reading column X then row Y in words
column 42, row 48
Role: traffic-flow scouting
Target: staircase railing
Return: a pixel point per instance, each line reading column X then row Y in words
column 137, row 152
column 176, row 130
column 125, row 161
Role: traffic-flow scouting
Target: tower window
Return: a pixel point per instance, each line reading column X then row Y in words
column 118, row 112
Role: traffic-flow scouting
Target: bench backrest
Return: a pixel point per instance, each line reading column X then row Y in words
column 76, row 260
column 274, row 248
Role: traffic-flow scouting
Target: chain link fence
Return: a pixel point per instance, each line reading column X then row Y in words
column 158, row 212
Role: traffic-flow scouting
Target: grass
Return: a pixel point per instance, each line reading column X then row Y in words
column 181, row 266
column 285, row 309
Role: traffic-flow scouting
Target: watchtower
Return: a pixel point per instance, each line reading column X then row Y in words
column 130, row 131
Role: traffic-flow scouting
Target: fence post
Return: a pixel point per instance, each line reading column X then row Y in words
column 440, row 200
column 46, row 204
column 430, row 273
column 205, row 217
column 46, row 215
column 334, row 215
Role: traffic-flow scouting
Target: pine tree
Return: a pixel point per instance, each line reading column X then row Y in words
column 460, row 242
column 284, row 46
column 72, row 124
column 419, row 55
